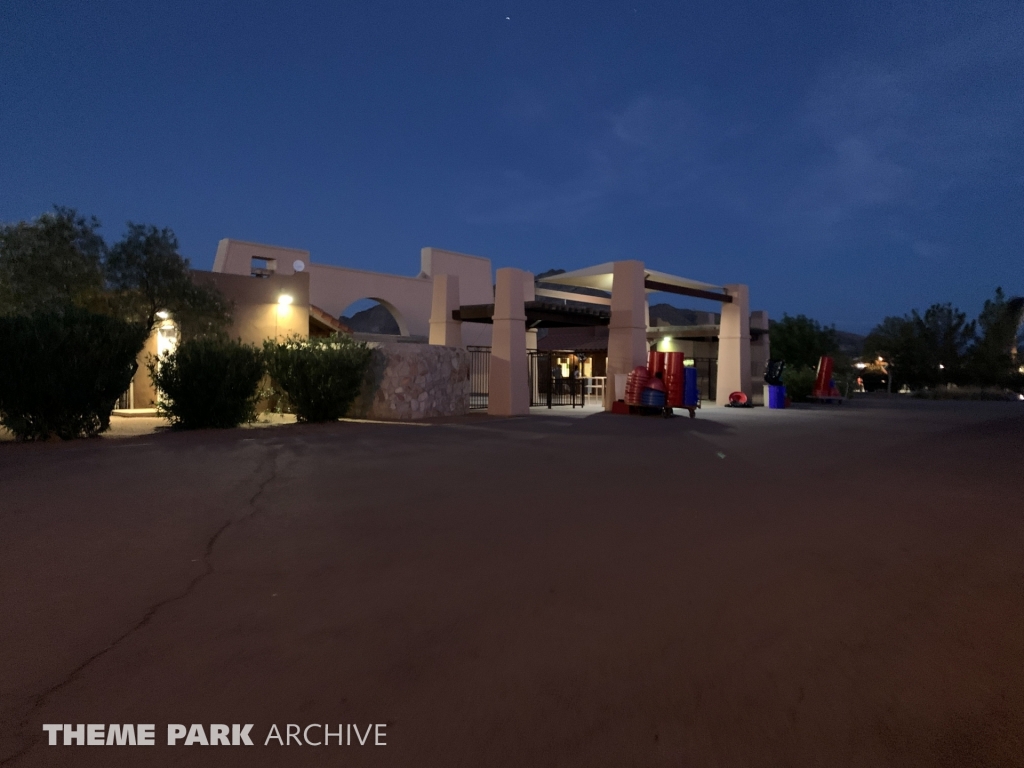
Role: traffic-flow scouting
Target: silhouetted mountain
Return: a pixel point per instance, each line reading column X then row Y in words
column 376, row 319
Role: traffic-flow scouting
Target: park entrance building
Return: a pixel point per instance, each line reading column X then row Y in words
column 457, row 301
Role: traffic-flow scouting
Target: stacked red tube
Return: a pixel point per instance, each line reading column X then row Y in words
column 635, row 385
column 655, row 363
column 674, row 379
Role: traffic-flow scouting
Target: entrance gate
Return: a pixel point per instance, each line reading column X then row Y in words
column 556, row 378
column 479, row 377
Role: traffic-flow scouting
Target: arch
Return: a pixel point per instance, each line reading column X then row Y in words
column 396, row 314
column 333, row 289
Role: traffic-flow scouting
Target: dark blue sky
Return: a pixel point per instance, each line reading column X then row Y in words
column 847, row 160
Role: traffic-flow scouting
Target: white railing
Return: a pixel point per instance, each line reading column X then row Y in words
column 593, row 390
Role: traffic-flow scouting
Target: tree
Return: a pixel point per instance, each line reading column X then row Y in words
column 923, row 350
column 991, row 359
column 50, row 263
column 895, row 341
column 62, row 370
column 946, row 336
column 801, row 341
column 147, row 276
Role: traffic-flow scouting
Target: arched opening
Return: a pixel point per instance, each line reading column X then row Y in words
column 374, row 316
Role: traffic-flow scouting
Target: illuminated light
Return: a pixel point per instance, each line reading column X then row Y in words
column 861, row 365
column 163, row 314
column 941, row 367
column 284, row 299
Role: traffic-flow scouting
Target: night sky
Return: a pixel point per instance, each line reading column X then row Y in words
column 846, row 160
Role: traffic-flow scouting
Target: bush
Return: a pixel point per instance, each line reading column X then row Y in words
column 208, row 382
column 320, row 376
column 799, row 383
column 61, row 372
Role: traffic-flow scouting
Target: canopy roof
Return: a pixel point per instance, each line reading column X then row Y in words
column 601, row 277
column 539, row 314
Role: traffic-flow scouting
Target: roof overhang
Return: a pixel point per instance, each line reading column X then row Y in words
column 602, row 277
column 539, row 314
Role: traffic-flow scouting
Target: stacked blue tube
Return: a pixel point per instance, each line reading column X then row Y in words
column 691, row 395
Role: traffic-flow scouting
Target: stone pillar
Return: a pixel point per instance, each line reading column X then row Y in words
column 627, row 331
column 760, row 351
column 508, row 388
column 734, row 345
column 444, row 331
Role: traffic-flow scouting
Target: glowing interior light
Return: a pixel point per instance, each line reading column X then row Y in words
column 163, row 314
column 284, row 298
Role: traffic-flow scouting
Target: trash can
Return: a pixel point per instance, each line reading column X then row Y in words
column 691, row 395
column 776, row 396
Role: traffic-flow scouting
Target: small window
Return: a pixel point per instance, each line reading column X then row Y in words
column 263, row 267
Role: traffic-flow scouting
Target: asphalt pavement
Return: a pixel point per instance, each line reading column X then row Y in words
column 822, row 586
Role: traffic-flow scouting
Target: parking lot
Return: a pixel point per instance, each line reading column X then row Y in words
column 816, row 586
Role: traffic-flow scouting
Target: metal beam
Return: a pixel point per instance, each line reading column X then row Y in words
column 583, row 298
column 654, row 285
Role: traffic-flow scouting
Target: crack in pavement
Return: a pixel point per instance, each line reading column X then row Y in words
column 152, row 611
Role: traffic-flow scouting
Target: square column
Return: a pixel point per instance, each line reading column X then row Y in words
column 445, row 331
column 734, row 346
column 508, row 388
column 760, row 351
column 627, row 331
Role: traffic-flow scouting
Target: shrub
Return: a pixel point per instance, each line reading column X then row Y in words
column 208, row 382
column 62, row 371
column 799, row 383
column 320, row 376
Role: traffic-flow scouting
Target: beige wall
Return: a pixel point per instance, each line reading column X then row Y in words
column 143, row 391
column 256, row 312
column 256, row 315
column 409, row 299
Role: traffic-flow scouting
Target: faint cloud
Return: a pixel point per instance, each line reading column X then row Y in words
column 653, row 147
column 907, row 137
column 855, row 175
column 525, row 106
column 931, row 251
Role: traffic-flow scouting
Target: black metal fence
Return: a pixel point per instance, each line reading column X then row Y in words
column 556, row 379
column 479, row 377
column 707, row 377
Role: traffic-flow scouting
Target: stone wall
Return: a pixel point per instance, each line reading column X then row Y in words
column 414, row 381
